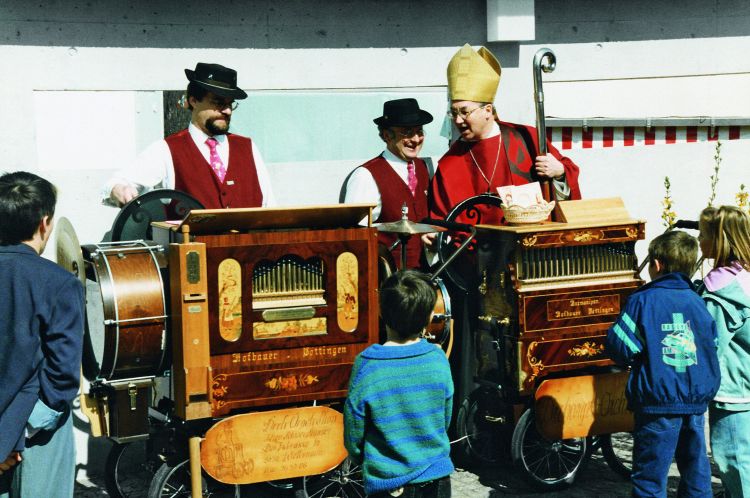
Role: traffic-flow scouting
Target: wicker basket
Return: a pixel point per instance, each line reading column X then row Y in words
column 517, row 215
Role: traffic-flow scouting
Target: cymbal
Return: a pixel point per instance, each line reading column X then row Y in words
column 408, row 227
column 69, row 254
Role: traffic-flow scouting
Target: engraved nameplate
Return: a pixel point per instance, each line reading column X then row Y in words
column 299, row 313
column 583, row 307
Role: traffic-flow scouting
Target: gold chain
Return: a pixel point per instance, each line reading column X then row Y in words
column 494, row 168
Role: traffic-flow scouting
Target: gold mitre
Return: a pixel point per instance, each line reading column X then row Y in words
column 473, row 75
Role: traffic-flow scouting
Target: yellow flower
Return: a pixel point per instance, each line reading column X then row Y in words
column 742, row 197
column 667, row 215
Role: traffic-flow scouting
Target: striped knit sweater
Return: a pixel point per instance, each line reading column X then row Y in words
column 397, row 413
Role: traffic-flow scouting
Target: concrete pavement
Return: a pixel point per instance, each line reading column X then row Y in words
column 596, row 480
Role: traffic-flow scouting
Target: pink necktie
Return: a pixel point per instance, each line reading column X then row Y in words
column 411, row 179
column 215, row 160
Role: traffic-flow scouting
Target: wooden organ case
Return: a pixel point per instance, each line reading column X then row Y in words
column 547, row 293
column 269, row 306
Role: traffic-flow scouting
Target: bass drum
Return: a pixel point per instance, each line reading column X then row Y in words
column 440, row 329
column 126, row 325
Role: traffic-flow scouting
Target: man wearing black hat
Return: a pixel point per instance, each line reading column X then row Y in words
column 216, row 167
column 396, row 176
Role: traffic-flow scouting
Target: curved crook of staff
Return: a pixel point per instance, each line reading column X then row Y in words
column 544, row 61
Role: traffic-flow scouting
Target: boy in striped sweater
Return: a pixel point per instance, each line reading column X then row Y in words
column 400, row 399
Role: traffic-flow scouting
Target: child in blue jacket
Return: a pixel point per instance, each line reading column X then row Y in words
column 669, row 340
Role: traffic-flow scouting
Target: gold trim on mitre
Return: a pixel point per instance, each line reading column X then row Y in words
column 473, row 75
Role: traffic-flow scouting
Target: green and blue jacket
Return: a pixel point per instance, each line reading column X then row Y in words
column 668, row 338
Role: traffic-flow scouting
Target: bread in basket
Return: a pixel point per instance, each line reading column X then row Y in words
column 520, row 215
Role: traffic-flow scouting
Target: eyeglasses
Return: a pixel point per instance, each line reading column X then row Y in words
column 220, row 105
column 409, row 132
column 462, row 113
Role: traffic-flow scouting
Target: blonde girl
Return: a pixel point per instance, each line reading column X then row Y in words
column 725, row 238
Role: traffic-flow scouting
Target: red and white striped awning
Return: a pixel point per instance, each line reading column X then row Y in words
column 592, row 137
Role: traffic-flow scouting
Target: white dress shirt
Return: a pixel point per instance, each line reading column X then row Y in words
column 361, row 186
column 153, row 168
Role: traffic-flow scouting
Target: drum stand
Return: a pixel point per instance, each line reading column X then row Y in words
column 403, row 239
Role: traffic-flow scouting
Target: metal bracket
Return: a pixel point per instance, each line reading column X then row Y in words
column 133, row 395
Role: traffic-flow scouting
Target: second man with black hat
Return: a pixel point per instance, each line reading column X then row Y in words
column 397, row 175
column 216, row 167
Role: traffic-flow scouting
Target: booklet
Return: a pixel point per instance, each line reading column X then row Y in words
column 521, row 195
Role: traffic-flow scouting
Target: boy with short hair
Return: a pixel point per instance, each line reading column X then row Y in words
column 41, row 335
column 670, row 341
column 400, row 399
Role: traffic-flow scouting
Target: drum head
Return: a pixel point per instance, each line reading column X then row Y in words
column 93, row 346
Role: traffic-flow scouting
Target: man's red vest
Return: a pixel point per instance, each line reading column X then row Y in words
column 393, row 193
column 193, row 174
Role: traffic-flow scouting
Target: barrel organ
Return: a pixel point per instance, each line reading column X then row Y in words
column 547, row 293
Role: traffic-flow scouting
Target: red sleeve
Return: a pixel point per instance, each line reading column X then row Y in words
column 571, row 171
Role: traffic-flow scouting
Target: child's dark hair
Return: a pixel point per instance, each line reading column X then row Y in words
column 407, row 299
column 676, row 251
column 25, row 199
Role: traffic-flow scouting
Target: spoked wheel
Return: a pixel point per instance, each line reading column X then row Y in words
column 129, row 470
column 481, row 428
column 617, row 450
column 546, row 464
column 345, row 481
column 172, row 481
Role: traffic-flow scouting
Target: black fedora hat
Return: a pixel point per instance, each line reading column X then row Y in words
column 217, row 79
column 403, row 112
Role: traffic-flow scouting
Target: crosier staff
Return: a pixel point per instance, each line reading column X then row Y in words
column 544, row 60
